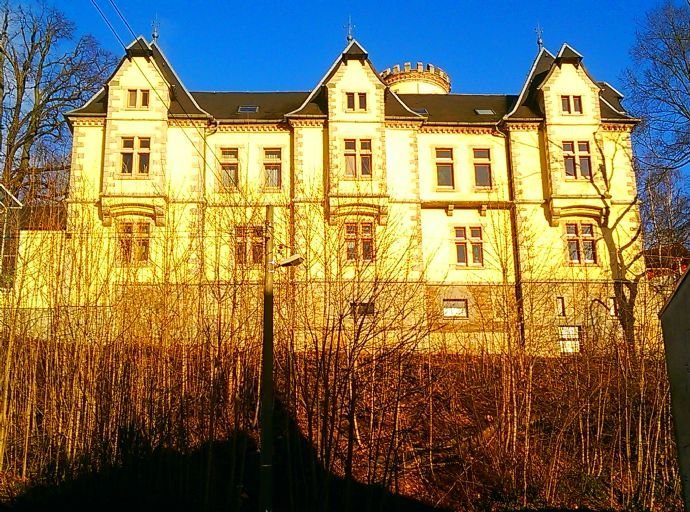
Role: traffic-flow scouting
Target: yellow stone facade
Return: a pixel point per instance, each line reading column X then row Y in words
column 488, row 220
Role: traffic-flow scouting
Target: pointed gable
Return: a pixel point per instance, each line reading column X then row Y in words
column 530, row 106
column 316, row 104
column 182, row 103
column 568, row 54
column 355, row 51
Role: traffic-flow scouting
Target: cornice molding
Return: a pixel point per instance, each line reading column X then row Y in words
column 88, row 121
column 307, row 123
column 254, row 128
column 474, row 130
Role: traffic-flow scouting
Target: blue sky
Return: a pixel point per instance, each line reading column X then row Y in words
column 485, row 46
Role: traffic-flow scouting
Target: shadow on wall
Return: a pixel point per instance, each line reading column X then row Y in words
column 153, row 478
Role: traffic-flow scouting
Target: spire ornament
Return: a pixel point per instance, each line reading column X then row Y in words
column 349, row 28
column 155, row 26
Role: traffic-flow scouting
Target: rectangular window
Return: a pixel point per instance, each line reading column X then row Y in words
column 577, row 160
column 569, row 339
column 358, row 158
column 362, row 101
column 138, row 98
column 444, row 168
column 356, row 102
column 577, row 104
column 132, row 98
column 229, row 169
column 571, row 104
column 350, row 99
column 362, row 309
column 273, row 167
column 359, row 241
column 581, row 242
column 134, row 242
column 135, row 155
column 455, row 308
column 560, row 306
column 249, row 245
column 482, row 168
column 469, row 250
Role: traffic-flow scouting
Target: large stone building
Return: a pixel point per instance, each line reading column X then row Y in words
column 480, row 220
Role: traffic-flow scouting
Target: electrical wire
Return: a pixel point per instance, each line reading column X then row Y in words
column 208, row 149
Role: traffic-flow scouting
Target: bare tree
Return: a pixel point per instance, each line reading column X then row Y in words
column 659, row 83
column 44, row 72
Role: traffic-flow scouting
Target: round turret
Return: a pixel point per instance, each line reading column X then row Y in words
column 419, row 80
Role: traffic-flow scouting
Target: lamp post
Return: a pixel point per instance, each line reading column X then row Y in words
column 266, row 398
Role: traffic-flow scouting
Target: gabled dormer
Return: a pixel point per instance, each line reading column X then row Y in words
column 351, row 98
column 143, row 85
column 569, row 95
column 351, row 89
column 134, row 109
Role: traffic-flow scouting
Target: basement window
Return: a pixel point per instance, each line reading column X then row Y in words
column 569, row 339
column 248, row 109
column 484, row 112
column 362, row 309
column 455, row 308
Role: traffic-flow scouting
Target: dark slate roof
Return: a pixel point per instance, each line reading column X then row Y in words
column 614, row 109
column 394, row 107
column 182, row 102
column 529, row 105
column 460, row 108
column 97, row 105
column 272, row 105
column 611, row 95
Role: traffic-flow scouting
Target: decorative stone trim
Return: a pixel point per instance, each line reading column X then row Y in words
column 474, row 130
column 403, row 125
column 598, row 213
column 430, row 74
column 254, row 128
column 622, row 127
column 307, row 123
column 88, row 121
column 522, row 127
column 154, row 212
column 187, row 123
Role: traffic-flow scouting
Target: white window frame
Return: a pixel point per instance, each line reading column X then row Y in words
column 570, row 339
column 455, row 308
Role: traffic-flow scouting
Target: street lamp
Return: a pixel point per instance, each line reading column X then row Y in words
column 266, row 399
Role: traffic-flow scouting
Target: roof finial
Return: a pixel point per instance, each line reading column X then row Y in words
column 154, row 29
column 540, row 32
column 349, row 28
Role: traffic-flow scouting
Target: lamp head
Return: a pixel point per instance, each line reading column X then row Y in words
column 291, row 261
